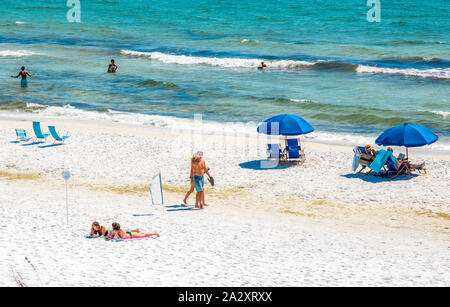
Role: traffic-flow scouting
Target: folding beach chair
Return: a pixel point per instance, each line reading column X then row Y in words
column 392, row 166
column 56, row 136
column 21, row 135
column 295, row 156
column 294, row 151
column 364, row 160
column 396, row 166
column 362, row 150
column 293, row 144
column 38, row 132
column 378, row 164
column 274, row 152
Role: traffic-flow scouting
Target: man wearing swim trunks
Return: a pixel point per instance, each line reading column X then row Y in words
column 198, row 170
column 23, row 73
column 112, row 68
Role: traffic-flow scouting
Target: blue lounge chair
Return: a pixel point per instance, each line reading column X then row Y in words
column 392, row 165
column 55, row 134
column 274, row 152
column 293, row 144
column 362, row 150
column 402, row 166
column 294, row 151
column 381, row 159
column 22, row 135
column 38, row 132
column 385, row 159
column 365, row 159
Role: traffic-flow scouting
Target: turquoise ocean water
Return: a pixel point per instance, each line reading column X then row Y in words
column 327, row 63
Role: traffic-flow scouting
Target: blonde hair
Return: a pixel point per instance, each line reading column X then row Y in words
column 94, row 224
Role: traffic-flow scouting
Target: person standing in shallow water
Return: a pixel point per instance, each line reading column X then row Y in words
column 23, row 73
column 112, row 68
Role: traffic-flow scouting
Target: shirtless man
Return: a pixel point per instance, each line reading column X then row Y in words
column 23, row 73
column 112, row 68
column 198, row 170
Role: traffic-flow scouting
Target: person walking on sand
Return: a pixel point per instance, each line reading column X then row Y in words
column 23, row 73
column 192, row 187
column 198, row 170
column 112, row 68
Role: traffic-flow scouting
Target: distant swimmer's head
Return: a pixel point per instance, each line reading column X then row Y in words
column 112, row 61
column 22, row 68
column 390, row 149
column 115, row 226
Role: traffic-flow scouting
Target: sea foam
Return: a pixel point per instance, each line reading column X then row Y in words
column 219, row 62
column 444, row 114
column 183, row 125
column 439, row 73
column 16, row 53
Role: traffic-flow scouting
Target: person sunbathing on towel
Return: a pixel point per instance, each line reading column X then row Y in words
column 98, row 230
column 118, row 233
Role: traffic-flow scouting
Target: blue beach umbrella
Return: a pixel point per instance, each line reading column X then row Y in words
column 407, row 135
column 285, row 124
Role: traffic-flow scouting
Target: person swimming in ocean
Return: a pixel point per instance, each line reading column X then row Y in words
column 112, row 68
column 263, row 65
column 23, row 73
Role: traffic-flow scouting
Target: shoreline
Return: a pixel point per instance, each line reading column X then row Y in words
column 211, row 128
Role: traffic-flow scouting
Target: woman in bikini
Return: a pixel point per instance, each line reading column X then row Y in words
column 118, row 233
column 98, row 230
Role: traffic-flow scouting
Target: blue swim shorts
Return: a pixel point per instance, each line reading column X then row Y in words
column 24, row 83
column 199, row 183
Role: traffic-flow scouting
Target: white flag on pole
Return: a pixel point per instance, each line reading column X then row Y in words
column 156, row 190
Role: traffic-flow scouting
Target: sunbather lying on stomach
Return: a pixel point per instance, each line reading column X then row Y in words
column 118, row 233
column 98, row 230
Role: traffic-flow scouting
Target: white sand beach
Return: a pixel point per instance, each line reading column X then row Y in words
column 312, row 225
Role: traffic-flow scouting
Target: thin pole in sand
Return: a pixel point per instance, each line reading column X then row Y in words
column 66, row 176
column 162, row 193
